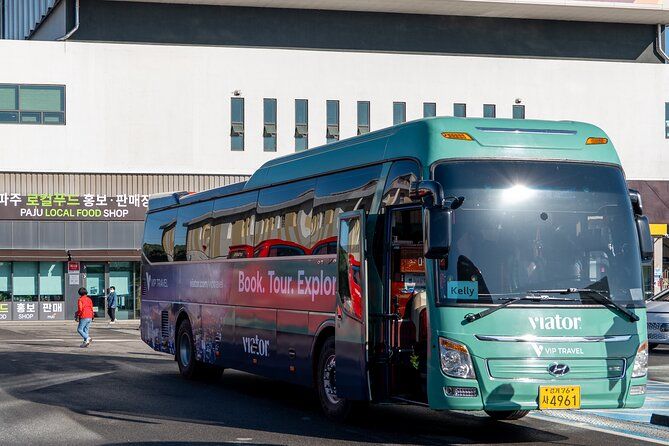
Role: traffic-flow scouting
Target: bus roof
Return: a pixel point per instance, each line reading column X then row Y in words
column 422, row 139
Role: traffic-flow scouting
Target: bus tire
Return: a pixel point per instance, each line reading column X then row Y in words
column 335, row 408
column 505, row 415
column 652, row 346
column 189, row 367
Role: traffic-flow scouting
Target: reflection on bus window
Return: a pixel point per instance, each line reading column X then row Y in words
column 193, row 232
column 282, row 224
column 232, row 230
column 337, row 193
column 400, row 177
column 159, row 236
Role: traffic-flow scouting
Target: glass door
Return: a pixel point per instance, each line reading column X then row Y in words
column 94, row 281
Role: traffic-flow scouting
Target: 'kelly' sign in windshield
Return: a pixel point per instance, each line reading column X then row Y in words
column 72, row 207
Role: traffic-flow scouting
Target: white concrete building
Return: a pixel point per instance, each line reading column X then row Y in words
column 103, row 102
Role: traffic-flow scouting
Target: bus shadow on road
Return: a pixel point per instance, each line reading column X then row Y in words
column 149, row 391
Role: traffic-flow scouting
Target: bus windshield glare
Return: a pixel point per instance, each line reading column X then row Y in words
column 539, row 226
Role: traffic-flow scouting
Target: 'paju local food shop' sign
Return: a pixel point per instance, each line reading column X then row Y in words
column 73, row 207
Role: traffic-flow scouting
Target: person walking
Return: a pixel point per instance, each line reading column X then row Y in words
column 84, row 316
column 111, row 304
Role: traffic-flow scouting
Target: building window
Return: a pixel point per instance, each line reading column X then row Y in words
column 666, row 120
column 25, row 281
column 489, row 111
column 460, row 110
column 301, row 125
column 518, row 112
column 51, row 281
column 429, row 109
column 269, row 125
column 237, row 124
column 399, row 112
column 32, row 104
column 363, row 117
column 332, row 112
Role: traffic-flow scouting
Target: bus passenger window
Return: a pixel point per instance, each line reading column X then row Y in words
column 158, row 244
column 193, row 225
column 283, row 224
column 337, row 193
column 233, row 226
column 400, row 177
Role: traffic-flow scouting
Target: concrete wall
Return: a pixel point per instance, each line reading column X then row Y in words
column 166, row 109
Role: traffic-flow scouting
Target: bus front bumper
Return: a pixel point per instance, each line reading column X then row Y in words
column 486, row 393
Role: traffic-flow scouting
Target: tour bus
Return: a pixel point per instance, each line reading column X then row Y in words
column 469, row 264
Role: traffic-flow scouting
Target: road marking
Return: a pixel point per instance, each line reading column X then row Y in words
column 68, row 340
column 33, row 382
column 596, row 429
column 34, row 340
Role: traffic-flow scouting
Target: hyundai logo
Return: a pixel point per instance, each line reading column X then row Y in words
column 558, row 369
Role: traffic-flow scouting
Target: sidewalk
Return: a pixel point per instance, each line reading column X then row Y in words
column 132, row 324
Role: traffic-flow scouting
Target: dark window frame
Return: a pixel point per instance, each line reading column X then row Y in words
column 332, row 133
column 519, row 107
column 403, row 110
column 302, row 127
column 18, row 111
column 269, row 126
column 493, row 107
column 460, row 106
column 362, row 127
column 425, row 109
column 237, row 126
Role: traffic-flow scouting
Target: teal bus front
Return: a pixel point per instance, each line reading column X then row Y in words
column 539, row 303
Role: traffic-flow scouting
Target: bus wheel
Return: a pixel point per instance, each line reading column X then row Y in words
column 188, row 366
column 334, row 407
column 506, row 414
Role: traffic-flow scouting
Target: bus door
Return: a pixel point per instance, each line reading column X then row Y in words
column 351, row 311
column 406, row 332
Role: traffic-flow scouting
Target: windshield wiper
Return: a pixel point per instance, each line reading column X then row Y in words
column 597, row 296
column 471, row 317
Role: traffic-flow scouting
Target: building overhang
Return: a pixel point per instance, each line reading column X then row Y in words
column 650, row 12
column 61, row 255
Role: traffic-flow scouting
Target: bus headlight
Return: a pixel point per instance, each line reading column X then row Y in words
column 641, row 361
column 455, row 359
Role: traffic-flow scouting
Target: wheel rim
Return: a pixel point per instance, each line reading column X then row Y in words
column 184, row 350
column 329, row 382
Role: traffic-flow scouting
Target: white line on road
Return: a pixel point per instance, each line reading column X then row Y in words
column 597, row 429
column 67, row 339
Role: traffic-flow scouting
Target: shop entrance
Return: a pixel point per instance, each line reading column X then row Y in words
column 94, row 279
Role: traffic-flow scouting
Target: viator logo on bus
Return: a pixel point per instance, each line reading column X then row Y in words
column 256, row 346
column 556, row 322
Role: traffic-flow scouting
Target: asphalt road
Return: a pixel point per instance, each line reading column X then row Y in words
column 119, row 391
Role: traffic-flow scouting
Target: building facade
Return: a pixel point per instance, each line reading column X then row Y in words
column 105, row 102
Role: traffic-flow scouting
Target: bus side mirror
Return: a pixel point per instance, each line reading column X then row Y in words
column 437, row 223
column 645, row 239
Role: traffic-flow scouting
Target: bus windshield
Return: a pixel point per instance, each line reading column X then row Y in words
column 528, row 226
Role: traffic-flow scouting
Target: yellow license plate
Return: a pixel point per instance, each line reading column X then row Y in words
column 559, row 397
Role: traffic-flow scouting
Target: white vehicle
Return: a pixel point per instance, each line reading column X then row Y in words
column 657, row 310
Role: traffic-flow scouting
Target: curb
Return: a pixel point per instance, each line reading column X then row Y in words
column 133, row 323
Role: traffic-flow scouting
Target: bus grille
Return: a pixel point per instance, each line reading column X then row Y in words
column 164, row 324
column 538, row 368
